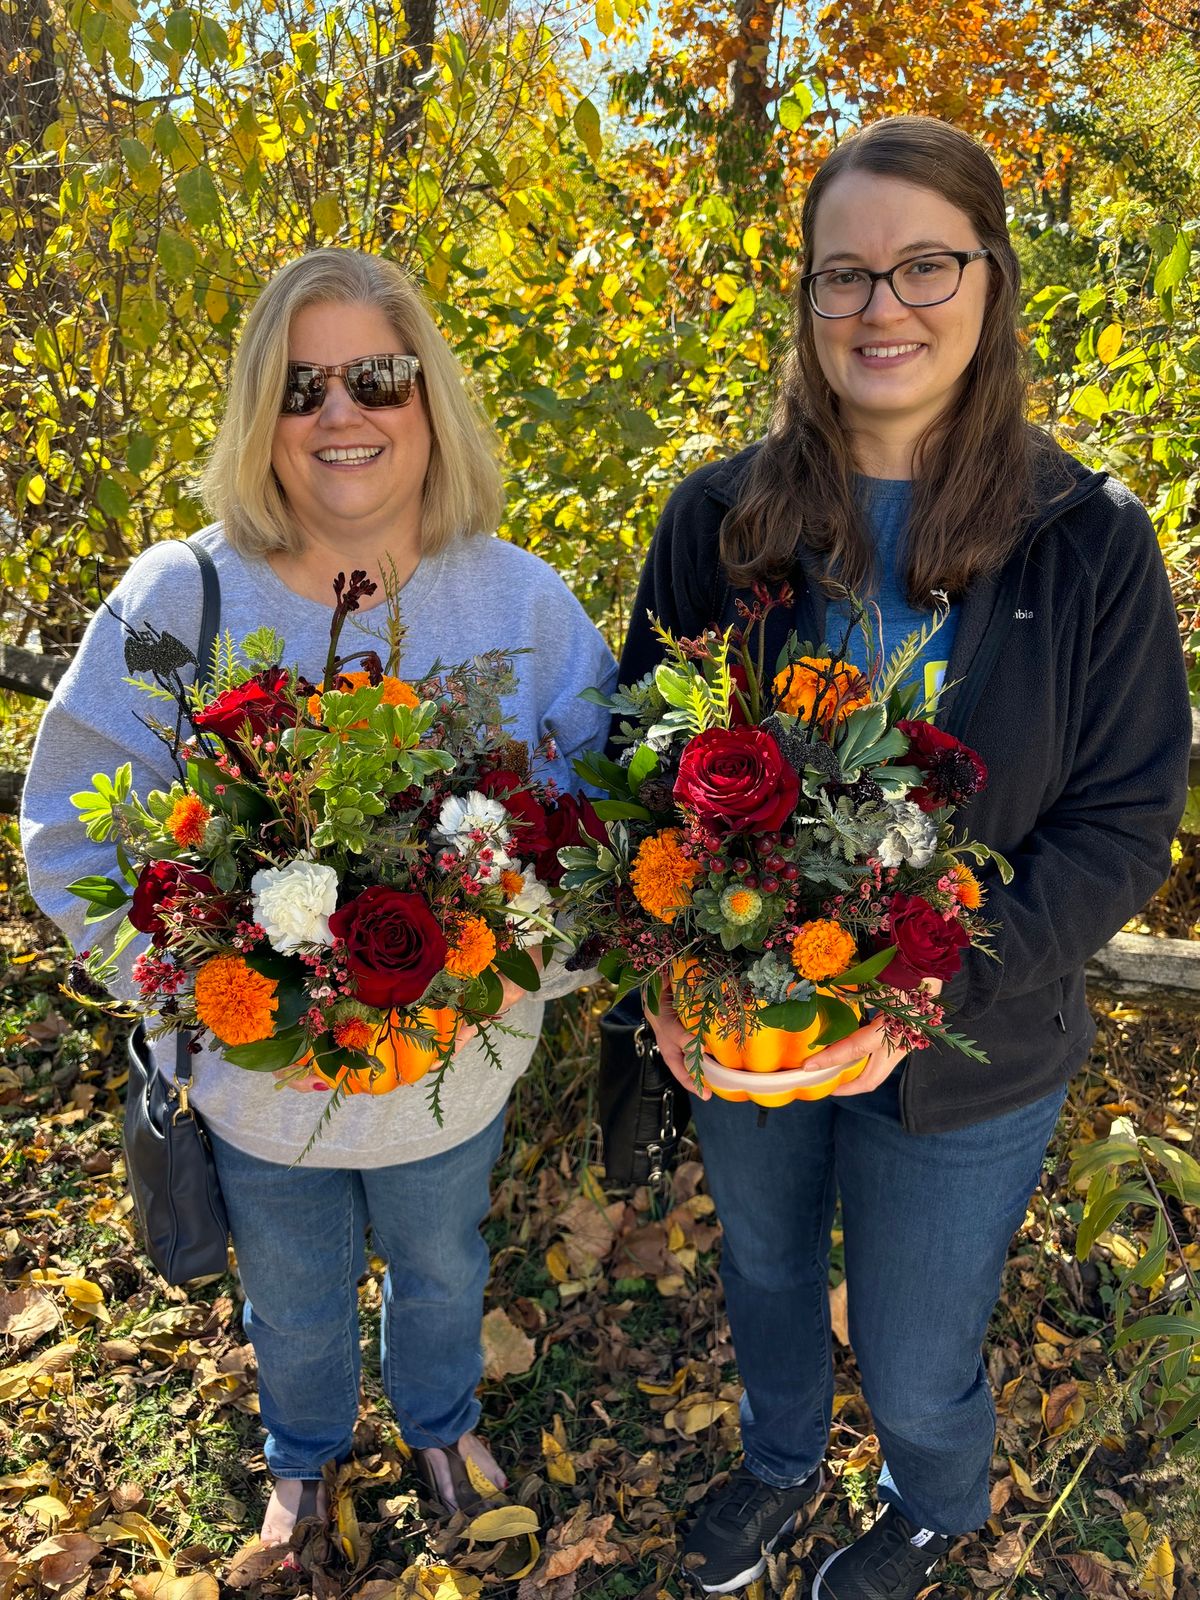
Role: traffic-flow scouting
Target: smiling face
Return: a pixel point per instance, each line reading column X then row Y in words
column 352, row 476
column 894, row 368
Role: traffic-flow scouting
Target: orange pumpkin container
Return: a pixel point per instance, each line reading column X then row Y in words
column 402, row 1059
column 767, row 1064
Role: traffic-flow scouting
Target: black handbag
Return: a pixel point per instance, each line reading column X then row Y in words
column 169, row 1162
column 643, row 1110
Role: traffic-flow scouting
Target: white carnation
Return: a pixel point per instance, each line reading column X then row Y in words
column 294, row 903
column 530, row 900
column 910, row 837
column 459, row 819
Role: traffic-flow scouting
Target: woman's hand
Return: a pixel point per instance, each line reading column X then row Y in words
column 513, row 993
column 869, row 1041
column 675, row 1043
column 303, row 1083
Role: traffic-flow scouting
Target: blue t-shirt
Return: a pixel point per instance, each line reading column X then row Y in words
column 885, row 503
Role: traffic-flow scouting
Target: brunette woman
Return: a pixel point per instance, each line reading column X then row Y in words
column 899, row 462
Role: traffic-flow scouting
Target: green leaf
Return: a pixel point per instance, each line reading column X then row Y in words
column 1159, row 1327
column 198, row 196
column 793, row 1016
column 740, row 312
column 137, row 157
column 268, row 1055
column 617, row 810
column 111, row 498
column 866, row 970
column 838, row 1020
column 1090, row 401
column 644, row 765
column 176, row 255
column 99, row 892
column 587, row 126
column 795, row 107
column 179, row 30
column 1174, row 266
column 520, row 967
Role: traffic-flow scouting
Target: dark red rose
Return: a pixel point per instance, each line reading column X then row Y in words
column 263, row 701
column 529, row 830
column 927, row 944
column 161, row 886
column 572, row 817
column 953, row 772
column 735, row 780
column 394, row 945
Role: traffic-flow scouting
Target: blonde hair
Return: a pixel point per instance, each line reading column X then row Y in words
column 464, row 491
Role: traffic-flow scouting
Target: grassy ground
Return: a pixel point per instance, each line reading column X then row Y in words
column 130, row 1459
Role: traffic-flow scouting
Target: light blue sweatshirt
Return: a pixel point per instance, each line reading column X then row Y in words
column 477, row 594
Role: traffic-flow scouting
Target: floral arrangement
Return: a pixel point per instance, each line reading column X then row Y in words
column 343, row 873
column 779, row 843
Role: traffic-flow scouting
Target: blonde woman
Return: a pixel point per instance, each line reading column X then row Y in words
column 350, row 440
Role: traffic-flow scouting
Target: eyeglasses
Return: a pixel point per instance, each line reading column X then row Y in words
column 372, row 382
column 918, row 281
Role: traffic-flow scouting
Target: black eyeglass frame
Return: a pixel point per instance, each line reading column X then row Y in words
column 348, row 372
column 962, row 257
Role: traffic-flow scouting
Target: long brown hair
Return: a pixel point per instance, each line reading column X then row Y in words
column 974, row 465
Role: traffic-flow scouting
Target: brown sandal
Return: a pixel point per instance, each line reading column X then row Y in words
column 467, row 1497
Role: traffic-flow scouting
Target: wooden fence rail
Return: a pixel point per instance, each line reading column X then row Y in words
column 1133, row 966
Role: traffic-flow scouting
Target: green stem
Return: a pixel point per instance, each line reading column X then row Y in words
column 1049, row 1519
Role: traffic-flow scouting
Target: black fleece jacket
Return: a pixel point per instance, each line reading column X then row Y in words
column 1067, row 677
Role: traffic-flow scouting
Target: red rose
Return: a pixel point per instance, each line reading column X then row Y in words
column 263, row 701
column 394, row 945
column 571, row 818
column 953, row 772
column 528, row 817
column 927, row 944
column 161, row 886
column 735, row 780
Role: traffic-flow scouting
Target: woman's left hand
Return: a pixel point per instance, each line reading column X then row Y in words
column 869, row 1041
column 513, row 993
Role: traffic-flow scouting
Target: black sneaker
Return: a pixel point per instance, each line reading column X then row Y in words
column 740, row 1525
column 893, row 1560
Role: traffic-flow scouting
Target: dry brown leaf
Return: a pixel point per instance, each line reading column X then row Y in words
column 63, row 1558
column 838, row 1315
column 591, row 1545
column 506, row 1350
column 1096, row 1581
column 25, row 1315
column 696, row 1415
column 1005, row 1553
column 162, row 1586
column 1025, row 1485
column 252, row 1562
column 560, row 1468
column 1063, row 1408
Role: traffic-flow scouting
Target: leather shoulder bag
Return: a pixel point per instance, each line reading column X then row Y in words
column 643, row 1110
column 168, row 1157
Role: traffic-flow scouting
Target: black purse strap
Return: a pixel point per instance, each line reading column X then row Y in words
column 210, row 621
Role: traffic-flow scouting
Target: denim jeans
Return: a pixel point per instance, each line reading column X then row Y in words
column 927, row 1220
column 299, row 1236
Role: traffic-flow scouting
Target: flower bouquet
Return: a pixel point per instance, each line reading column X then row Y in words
column 780, row 852
column 342, row 874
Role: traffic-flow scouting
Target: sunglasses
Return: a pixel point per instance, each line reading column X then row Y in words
column 372, row 382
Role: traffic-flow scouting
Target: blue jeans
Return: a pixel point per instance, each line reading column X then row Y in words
column 927, row 1221
column 299, row 1236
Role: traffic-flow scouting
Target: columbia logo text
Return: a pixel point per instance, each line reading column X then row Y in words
column 1022, row 616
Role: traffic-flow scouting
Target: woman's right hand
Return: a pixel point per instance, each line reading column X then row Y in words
column 676, row 1045
column 304, row 1083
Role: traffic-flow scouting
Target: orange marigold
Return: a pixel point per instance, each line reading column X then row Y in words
column 354, row 1034
column 395, row 692
column 188, row 821
column 822, row 950
column 833, row 688
column 969, row 891
column 473, row 949
column 511, row 882
column 662, row 875
column 234, row 1002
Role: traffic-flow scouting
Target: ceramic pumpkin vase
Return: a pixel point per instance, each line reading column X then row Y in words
column 767, row 1065
column 402, row 1059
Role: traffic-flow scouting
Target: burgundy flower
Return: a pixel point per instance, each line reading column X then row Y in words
column 263, row 701
column 953, row 772
column 162, row 886
column 394, row 946
column 529, row 821
column 570, row 819
column 735, row 780
column 927, row 943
